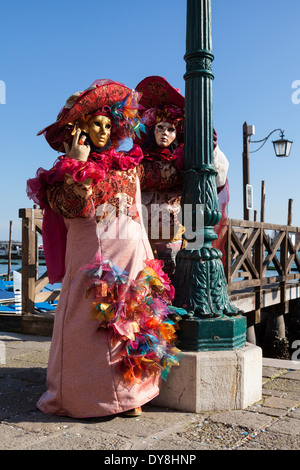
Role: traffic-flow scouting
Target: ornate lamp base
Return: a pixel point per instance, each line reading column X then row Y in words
column 212, row 321
column 212, row 334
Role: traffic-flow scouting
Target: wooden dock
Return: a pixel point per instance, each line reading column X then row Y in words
column 262, row 268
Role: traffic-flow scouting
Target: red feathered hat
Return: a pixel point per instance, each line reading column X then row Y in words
column 115, row 99
column 156, row 91
column 161, row 102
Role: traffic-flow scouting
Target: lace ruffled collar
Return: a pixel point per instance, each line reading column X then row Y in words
column 111, row 159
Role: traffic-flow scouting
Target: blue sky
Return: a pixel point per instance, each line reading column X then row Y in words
column 51, row 49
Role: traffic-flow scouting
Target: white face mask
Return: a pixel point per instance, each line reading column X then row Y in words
column 165, row 133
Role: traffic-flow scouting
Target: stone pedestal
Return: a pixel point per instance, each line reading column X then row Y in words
column 214, row 380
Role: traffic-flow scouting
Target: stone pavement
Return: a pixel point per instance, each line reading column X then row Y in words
column 271, row 424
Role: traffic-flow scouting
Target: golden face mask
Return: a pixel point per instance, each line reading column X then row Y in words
column 164, row 133
column 99, row 129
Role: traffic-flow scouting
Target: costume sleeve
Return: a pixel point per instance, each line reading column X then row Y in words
column 71, row 199
column 67, row 187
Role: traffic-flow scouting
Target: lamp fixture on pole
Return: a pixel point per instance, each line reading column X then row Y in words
column 282, row 148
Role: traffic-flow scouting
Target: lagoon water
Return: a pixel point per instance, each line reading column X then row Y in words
column 16, row 264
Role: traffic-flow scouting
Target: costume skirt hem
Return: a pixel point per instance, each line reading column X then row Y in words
column 44, row 410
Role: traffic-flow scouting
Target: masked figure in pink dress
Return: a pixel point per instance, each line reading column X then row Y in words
column 163, row 148
column 114, row 329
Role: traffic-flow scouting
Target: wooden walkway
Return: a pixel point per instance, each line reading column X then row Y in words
column 262, row 270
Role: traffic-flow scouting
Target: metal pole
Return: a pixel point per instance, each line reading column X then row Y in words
column 198, row 89
column 199, row 280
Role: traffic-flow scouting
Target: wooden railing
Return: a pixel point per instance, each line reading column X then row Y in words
column 261, row 255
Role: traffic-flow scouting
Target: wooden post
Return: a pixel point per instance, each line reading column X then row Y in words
column 263, row 200
column 36, row 248
column 228, row 257
column 290, row 212
column 283, row 262
column 32, row 322
column 28, row 261
column 9, row 251
column 258, row 262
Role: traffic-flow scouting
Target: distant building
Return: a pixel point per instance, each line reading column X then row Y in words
column 16, row 248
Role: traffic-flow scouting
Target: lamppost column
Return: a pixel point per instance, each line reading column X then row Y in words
column 212, row 321
column 198, row 90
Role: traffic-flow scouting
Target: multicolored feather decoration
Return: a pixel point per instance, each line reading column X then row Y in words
column 140, row 313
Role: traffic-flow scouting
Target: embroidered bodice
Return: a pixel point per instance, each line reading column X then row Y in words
column 76, row 189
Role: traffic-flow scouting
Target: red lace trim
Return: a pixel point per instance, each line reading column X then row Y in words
column 96, row 168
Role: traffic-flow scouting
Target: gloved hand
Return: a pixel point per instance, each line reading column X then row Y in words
column 78, row 151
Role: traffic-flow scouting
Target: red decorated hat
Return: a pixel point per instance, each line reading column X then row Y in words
column 157, row 92
column 107, row 96
column 161, row 102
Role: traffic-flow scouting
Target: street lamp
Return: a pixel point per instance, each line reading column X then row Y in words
column 212, row 322
column 282, row 148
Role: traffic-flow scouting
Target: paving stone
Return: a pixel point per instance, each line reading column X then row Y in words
column 269, row 372
column 274, row 412
column 214, row 435
column 278, row 402
column 273, row 393
column 13, row 438
column 293, row 375
column 39, row 423
column 284, row 385
column 287, row 426
column 294, row 413
column 293, row 395
column 245, row 419
column 270, row 440
column 77, row 439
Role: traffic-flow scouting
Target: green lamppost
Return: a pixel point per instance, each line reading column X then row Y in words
column 213, row 322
